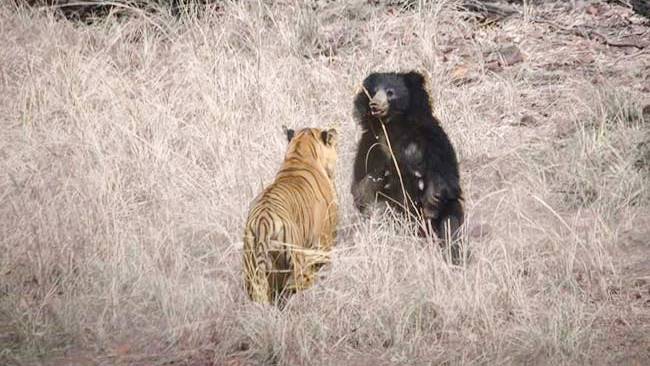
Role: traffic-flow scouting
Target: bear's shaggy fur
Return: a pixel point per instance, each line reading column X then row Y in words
column 426, row 159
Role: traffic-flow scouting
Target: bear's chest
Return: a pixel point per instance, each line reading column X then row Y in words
column 404, row 150
column 384, row 145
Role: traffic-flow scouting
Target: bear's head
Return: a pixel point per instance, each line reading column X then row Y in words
column 391, row 96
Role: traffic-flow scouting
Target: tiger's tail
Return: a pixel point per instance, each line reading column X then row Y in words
column 257, row 266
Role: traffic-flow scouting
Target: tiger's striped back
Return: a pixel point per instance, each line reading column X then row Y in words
column 291, row 225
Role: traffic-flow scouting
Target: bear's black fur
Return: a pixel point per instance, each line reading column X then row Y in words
column 424, row 154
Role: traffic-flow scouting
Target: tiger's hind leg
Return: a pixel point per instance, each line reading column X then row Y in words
column 256, row 276
column 321, row 257
column 302, row 276
column 280, row 276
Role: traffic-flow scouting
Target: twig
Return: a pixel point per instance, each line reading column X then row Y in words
column 406, row 196
column 392, row 155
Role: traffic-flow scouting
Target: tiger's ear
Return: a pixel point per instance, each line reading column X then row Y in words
column 329, row 137
column 289, row 132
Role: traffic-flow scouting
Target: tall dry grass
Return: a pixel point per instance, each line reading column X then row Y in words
column 131, row 148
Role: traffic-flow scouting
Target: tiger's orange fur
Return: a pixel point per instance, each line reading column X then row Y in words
column 291, row 226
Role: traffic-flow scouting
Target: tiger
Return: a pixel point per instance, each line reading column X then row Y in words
column 291, row 225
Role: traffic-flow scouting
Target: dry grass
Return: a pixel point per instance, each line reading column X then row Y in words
column 131, row 148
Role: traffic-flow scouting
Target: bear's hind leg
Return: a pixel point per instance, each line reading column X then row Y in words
column 448, row 230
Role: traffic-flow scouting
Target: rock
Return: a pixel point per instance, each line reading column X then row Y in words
column 640, row 282
column 528, row 120
column 479, row 230
column 493, row 66
column 593, row 9
column 506, row 56
column 490, row 10
column 461, row 75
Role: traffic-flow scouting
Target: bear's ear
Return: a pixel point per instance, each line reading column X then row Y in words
column 370, row 79
column 414, row 79
column 289, row 132
column 369, row 84
column 329, row 137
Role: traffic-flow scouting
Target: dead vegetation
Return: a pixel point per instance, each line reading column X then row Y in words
column 132, row 147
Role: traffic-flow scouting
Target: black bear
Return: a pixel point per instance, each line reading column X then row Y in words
column 427, row 184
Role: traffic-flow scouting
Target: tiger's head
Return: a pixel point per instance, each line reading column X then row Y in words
column 314, row 143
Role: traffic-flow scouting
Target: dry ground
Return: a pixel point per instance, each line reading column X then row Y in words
column 131, row 148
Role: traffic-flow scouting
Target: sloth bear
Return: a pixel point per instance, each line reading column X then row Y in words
column 427, row 182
